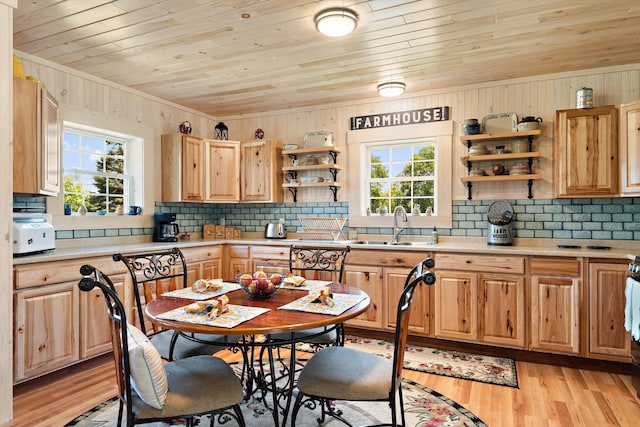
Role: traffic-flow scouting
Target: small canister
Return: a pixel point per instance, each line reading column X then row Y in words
column 584, row 97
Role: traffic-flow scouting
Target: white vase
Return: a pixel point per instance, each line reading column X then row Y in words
column 82, row 210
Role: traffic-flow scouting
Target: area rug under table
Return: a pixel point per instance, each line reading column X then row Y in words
column 468, row 366
column 423, row 407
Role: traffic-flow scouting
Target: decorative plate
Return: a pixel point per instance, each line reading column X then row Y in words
column 497, row 123
column 259, row 134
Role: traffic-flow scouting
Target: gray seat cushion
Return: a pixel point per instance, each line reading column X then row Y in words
column 197, row 385
column 186, row 348
column 346, row 374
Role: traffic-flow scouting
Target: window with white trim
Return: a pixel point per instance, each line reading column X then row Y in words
column 401, row 174
column 95, row 169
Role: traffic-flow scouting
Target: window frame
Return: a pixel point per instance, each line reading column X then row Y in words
column 441, row 133
column 126, row 177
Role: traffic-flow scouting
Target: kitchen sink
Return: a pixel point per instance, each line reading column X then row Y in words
column 374, row 242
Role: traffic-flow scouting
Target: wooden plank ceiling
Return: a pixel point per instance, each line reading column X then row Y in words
column 232, row 57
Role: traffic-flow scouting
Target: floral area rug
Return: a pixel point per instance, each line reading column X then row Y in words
column 468, row 366
column 423, row 408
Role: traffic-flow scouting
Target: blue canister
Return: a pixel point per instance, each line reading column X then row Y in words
column 471, row 127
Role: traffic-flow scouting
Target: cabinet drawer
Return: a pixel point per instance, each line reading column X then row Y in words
column 202, row 253
column 385, row 259
column 270, row 252
column 556, row 266
column 238, row 251
column 475, row 263
column 46, row 273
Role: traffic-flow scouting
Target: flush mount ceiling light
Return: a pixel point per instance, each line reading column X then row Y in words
column 336, row 22
column 389, row 89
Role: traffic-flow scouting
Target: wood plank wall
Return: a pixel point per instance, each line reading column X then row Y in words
column 535, row 96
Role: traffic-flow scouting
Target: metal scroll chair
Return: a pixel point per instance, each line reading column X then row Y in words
column 342, row 373
column 318, row 263
column 152, row 274
column 198, row 385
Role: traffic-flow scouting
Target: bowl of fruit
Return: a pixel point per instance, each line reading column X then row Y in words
column 260, row 284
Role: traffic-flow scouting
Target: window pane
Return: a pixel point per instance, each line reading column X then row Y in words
column 93, row 145
column 423, row 188
column 402, row 154
column 71, row 141
column 401, row 169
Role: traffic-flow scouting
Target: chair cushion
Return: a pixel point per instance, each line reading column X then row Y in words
column 197, row 385
column 343, row 373
column 148, row 377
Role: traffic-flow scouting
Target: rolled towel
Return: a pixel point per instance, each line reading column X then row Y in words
column 632, row 308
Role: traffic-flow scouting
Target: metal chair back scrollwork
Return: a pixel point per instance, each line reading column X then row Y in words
column 194, row 384
column 342, row 373
column 320, row 263
column 152, row 274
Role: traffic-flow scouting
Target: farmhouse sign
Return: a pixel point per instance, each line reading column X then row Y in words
column 425, row 115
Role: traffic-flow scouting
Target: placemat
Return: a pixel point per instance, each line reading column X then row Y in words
column 200, row 296
column 307, row 285
column 343, row 302
column 236, row 315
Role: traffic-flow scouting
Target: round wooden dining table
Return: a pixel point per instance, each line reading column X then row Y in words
column 274, row 321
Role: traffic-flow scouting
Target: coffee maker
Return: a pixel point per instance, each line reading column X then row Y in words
column 165, row 228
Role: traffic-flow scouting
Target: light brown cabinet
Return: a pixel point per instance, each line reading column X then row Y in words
column 630, row 149
column 607, row 336
column 222, row 170
column 394, row 279
column 260, row 171
column 36, row 139
column 272, row 259
column 237, row 260
column 555, row 301
column 203, row 263
column 586, row 152
column 480, row 298
column 369, row 279
column 46, row 329
column 199, row 170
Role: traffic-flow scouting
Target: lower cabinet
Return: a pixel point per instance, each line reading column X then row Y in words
column 237, row 260
column 55, row 324
column 203, row 263
column 394, row 279
column 607, row 337
column 555, row 304
column 369, row 279
column 382, row 276
column 480, row 298
column 46, row 329
column 271, row 259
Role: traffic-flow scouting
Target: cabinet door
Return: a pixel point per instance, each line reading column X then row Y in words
column 607, row 335
column 630, row 148
column 502, row 310
column 555, row 313
column 394, row 279
column 236, row 260
column 46, row 329
column 51, row 158
column 222, row 171
column 260, row 171
column 271, row 259
column 95, row 336
column 456, row 305
column 369, row 279
column 586, row 152
column 192, row 169
column 36, row 137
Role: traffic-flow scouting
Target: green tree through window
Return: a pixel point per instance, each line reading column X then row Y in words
column 402, row 175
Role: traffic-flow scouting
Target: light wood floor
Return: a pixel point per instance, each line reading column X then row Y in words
column 548, row 396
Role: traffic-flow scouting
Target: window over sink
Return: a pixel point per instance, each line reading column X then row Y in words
column 400, row 166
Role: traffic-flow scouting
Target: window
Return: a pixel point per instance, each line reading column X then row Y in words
column 401, row 174
column 95, row 166
column 401, row 166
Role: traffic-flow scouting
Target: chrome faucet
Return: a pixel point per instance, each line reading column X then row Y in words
column 397, row 230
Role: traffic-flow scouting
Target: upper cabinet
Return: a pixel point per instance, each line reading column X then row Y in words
column 630, row 149
column 260, row 171
column 36, row 139
column 586, row 152
column 199, row 170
